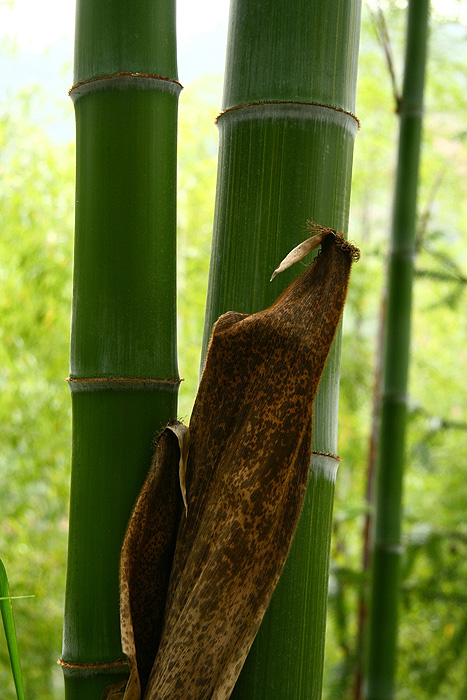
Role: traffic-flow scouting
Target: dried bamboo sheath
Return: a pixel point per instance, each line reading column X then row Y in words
column 249, row 457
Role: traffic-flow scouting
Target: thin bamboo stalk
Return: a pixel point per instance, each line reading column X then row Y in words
column 285, row 155
column 387, row 536
column 123, row 369
column 362, row 605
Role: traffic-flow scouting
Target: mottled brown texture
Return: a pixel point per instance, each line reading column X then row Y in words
column 250, row 448
column 114, row 691
column 146, row 560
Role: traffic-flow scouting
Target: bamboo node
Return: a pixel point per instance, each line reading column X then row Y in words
column 290, row 102
column 122, row 74
column 85, row 384
column 393, row 397
column 328, row 454
column 92, row 665
column 170, row 380
column 395, row 548
column 325, row 465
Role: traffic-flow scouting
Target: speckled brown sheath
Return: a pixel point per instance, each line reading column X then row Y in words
column 250, row 448
column 146, row 561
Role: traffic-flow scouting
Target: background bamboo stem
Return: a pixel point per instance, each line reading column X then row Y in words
column 387, row 533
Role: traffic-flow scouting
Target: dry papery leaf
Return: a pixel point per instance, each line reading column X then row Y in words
column 147, row 555
column 195, row 583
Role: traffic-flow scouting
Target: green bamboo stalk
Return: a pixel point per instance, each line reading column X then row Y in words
column 362, row 605
column 285, row 156
column 387, row 535
column 123, row 369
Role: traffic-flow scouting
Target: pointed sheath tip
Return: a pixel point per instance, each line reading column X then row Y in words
column 301, row 250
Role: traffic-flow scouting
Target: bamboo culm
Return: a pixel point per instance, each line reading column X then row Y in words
column 123, row 369
column 286, row 136
column 382, row 630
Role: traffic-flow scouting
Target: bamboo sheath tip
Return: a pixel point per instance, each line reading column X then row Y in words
column 302, row 249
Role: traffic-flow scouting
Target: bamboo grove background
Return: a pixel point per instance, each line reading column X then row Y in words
column 36, row 250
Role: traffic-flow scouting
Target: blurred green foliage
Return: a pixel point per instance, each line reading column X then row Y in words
column 36, row 220
column 197, row 161
column 36, row 214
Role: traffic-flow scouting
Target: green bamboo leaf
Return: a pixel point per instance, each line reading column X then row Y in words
column 10, row 631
